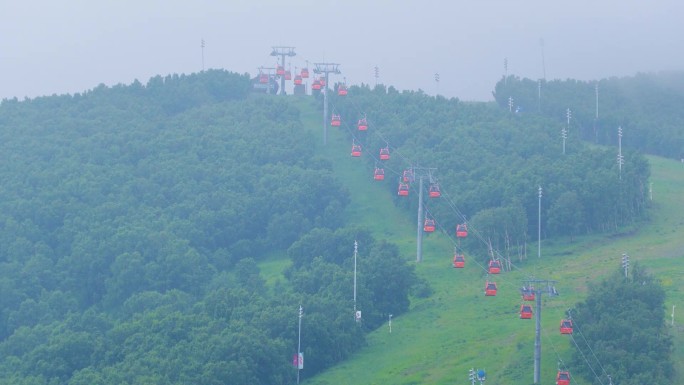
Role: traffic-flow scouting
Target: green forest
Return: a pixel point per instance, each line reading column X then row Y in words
column 135, row 218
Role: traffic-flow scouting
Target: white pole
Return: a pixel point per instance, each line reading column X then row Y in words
column 597, row 100
column 620, row 158
column 356, row 245
column 650, row 190
column 299, row 342
column 539, row 226
column 390, row 323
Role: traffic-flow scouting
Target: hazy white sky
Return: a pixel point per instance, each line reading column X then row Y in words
column 69, row 46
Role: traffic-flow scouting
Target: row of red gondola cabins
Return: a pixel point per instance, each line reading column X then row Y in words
column 317, row 84
column 362, row 124
column 384, row 155
column 304, row 74
column 494, row 267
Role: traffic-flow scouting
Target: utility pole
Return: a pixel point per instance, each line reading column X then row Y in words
column 326, row 68
column 541, row 43
column 537, row 285
column 300, row 355
column 625, row 264
column 436, row 83
column 510, row 104
column 282, row 52
column 539, row 225
column 621, row 159
column 539, row 94
column 564, row 131
column 564, row 135
column 420, row 173
column 357, row 314
column 650, row 191
column 505, row 71
column 202, row 54
column 596, row 89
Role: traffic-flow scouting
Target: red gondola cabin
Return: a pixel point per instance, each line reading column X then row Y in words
column 459, row 261
column 563, row 378
column 429, row 225
column 316, row 85
column 525, row 311
column 342, row 90
column 490, row 289
column 280, row 70
column 434, row 192
column 407, row 176
column 298, row 80
column 335, row 121
column 263, row 78
column 494, row 267
column 362, row 124
column 379, row 174
column 305, row 73
column 403, row 190
column 384, row 153
column 322, row 81
column 566, row 326
column 356, row 150
column 461, row 231
column 288, row 75
column 528, row 293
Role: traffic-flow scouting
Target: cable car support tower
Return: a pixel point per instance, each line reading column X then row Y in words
column 536, row 286
column 282, row 52
column 326, row 68
column 420, row 173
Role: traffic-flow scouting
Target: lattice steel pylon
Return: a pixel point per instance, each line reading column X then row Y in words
column 537, row 286
column 282, row 52
column 326, row 69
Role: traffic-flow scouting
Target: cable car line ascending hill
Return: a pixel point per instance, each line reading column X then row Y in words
column 429, row 225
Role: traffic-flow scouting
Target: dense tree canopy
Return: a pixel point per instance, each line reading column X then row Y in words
column 647, row 106
column 132, row 223
column 620, row 332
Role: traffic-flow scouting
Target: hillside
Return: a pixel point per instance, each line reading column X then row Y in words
column 457, row 329
column 167, row 233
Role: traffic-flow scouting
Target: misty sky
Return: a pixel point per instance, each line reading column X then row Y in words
column 68, row 46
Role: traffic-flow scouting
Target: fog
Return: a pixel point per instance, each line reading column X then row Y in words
column 69, row 46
